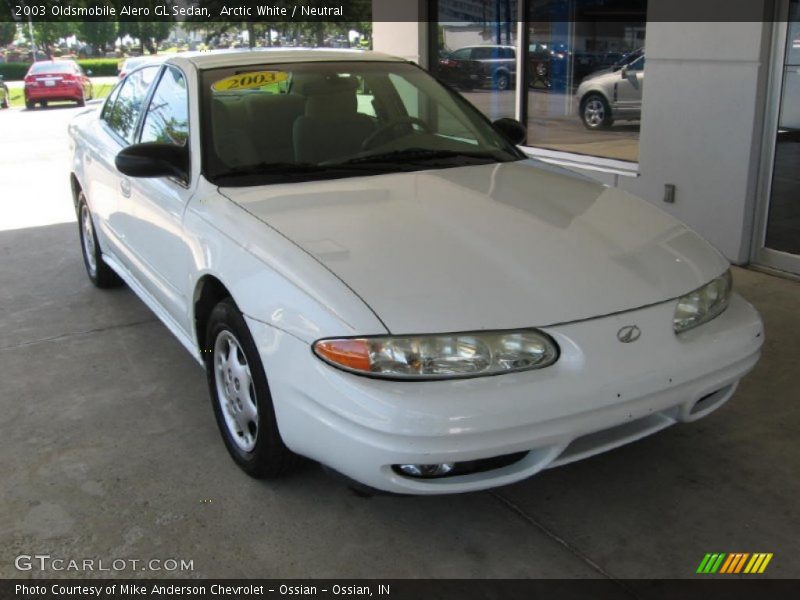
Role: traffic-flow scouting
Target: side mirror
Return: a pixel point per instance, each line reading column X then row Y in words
column 89, row 72
column 512, row 130
column 624, row 72
column 154, row 160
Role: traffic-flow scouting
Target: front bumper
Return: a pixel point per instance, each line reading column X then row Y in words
column 599, row 395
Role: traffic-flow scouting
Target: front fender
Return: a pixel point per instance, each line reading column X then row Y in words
column 270, row 278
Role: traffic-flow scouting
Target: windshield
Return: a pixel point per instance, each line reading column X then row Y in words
column 306, row 121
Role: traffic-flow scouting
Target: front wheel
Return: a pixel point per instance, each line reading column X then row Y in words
column 595, row 112
column 502, row 82
column 241, row 397
column 98, row 271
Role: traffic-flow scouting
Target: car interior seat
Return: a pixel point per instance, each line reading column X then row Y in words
column 232, row 141
column 331, row 127
column 271, row 118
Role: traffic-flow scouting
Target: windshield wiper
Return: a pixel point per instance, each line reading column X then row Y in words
column 411, row 155
column 269, row 168
column 289, row 169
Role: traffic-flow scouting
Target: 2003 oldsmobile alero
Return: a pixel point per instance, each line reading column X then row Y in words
column 375, row 277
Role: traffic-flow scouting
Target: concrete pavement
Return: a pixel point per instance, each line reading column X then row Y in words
column 109, row 449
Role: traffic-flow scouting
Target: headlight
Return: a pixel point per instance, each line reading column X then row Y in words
column 703, row 304
column 445, row 356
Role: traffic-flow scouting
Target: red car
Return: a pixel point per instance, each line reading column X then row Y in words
column 56, row 80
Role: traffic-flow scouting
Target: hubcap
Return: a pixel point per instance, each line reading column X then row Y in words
column 88, row 240
column 594, row 112
column 235, row 391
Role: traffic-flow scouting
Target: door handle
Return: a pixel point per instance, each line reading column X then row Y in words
column 125, row 187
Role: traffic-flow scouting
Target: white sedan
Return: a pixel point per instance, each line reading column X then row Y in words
column 375, row 277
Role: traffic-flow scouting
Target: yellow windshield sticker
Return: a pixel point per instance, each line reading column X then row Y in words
column 249, row 81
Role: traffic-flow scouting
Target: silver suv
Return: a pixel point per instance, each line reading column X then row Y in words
column 612, row 94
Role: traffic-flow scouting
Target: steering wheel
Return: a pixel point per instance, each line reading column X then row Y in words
column 378, row 134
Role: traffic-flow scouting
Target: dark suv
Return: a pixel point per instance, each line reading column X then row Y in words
column 479, row 66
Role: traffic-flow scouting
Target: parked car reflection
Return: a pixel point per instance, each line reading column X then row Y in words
column 473, row 67
column 612, row 94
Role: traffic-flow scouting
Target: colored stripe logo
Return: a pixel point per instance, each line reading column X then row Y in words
column 733, row 563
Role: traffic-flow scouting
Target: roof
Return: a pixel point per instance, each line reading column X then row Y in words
column 221, row 59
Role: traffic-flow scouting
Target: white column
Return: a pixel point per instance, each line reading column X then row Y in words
column 400, row 28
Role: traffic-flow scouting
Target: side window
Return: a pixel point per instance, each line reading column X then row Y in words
column 124, row 113
column 483, row 53
column 637, row 65
column 443, row 122
column 461, row 54
column 167, row 117
column 409, row 95
column 109, row 104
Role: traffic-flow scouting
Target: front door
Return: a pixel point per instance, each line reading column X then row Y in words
column 155, row 206
column 779, row 245
column 630, row 86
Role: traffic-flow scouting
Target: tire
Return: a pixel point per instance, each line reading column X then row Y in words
column 30, row 104
column 81, row 101
column 43, row 103
column 502, row 82
column 4, row 103
column 100, row 274
column 595, row 112
column 241, row 398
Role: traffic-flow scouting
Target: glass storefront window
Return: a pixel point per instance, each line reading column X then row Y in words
column 586, row 76
column 584, row 71
column 474, row 52
column 783, row 219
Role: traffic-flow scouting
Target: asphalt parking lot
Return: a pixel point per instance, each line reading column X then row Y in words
column 109, row 449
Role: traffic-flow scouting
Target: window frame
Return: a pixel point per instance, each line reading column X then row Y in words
column 186, row 184
column 145, row 102
column 149, row 101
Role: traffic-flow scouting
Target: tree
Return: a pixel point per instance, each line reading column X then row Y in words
column 8, row 31
column 149, row 33
column 98, row 33
column 47, row 33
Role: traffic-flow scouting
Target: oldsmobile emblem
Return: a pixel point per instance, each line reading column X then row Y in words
column 628, row 334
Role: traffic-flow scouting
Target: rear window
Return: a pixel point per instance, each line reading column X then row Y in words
column 52, row 67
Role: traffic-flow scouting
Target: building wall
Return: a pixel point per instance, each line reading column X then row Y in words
column 701, row 126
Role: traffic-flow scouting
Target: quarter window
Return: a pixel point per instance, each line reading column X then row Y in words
column 167, row 118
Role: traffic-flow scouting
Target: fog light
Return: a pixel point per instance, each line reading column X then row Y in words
column 426, row 470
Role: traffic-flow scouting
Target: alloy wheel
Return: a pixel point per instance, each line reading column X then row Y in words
column 87, row 235
column 594, row 113
column 236, row 391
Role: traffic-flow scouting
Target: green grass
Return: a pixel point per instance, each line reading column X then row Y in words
column 101, row 90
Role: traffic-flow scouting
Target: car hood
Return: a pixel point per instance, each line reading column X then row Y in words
column 599, row 74
column 487, row 247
